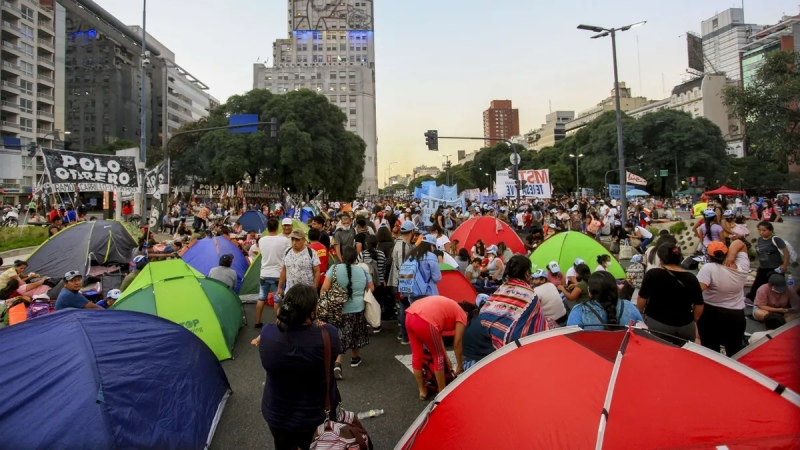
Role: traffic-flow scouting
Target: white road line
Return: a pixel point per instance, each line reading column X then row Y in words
column 406, row 359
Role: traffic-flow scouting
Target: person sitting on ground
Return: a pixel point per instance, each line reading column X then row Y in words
column 554, row 274
column 140, row 262
column 775, row 297
column 476, row 344
column 605, row 307
column 463, row 260
column 70, row 296
column 112, row 296
column 603, row 261
column 223, row 271
column 55, row 227
column 16, row 272
column 772, row 321
column 495, row 267
column 473, row 271
column 572, row 274
column 552, row 304
column 426, row 319
column 578, row 292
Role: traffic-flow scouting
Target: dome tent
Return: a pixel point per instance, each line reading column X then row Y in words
column 114, row 380
column 776, row 355
column 80, row 246
column 203, row 255
column 493, row 231
column 253, row 221
column 565, row 247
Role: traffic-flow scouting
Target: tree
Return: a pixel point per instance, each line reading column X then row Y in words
column 313, row 152
column 110, row 149
column 768, row 105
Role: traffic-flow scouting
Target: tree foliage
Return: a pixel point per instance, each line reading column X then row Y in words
column 314, row 151
column 768, row 105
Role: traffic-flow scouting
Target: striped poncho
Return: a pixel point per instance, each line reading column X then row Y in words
column 512, row 312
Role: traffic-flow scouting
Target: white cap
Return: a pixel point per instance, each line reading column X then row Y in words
column 287, row 221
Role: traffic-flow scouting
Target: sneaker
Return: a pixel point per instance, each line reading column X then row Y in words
column 355, row 362
column 399, row 337
column 258, row 325
column 376, row 330
column 404, row 341
column 337, row 371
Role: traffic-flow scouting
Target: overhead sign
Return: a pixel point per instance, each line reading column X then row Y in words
column 614, row 190
column 663, row 173
column 90, row 172
column 632, row 178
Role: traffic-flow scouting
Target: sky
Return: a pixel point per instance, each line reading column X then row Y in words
column 439, row 63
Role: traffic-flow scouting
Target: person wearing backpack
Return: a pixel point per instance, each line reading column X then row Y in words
column 418, row 275
column 773, row 257
column 605, row 306
column 402, row 248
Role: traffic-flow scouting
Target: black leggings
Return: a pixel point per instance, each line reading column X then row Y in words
column 762, row 278
column 722, row 327
column 291, row 440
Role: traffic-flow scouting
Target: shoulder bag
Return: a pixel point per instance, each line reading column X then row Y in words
column 332, row 302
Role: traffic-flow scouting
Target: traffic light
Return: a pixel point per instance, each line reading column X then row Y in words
column 692, row 181
column 432, row 140
column 274, row 127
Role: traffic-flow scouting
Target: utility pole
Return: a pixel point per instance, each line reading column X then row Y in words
column 143, row 118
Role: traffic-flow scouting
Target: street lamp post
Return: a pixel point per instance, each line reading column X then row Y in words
column 488, row 182
column 389, row 172
column 603, row 32
column 577, row 172
column 143, row 118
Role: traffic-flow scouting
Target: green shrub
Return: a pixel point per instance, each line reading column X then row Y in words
column 13, row 238
column 677, row 228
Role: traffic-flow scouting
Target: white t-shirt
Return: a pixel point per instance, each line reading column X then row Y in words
column 725, row 286
column 441, row 241
column 552, row 305
column 645, row 233
column 272, row 249
column 571, row 272
column 600, row 268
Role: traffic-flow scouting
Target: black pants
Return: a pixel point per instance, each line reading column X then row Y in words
column 722, row 327
column 762, row 278
column 291, row 440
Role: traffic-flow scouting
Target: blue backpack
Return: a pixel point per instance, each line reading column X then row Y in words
column 406, row 276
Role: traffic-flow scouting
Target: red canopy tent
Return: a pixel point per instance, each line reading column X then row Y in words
column 633, row 391
column 776, row 355
column 725, row 191
column 491, row 230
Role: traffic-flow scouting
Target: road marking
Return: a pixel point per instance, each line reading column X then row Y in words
column 406, row 359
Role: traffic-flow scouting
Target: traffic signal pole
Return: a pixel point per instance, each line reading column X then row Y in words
column 432, row 137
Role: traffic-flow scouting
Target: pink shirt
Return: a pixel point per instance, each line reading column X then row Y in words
column 765, row 296
column 441, row 312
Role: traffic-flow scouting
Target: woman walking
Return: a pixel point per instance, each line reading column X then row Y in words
column 353, row 325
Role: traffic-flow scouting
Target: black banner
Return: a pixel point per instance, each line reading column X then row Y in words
column 97, row 173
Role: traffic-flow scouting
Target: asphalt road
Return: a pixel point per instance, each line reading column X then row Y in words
column 381, row 382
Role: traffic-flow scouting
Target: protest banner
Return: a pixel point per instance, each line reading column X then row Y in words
column 632, row 178
column 90, row 172
column 428, row 205
column 155, row 177
column 536, row 183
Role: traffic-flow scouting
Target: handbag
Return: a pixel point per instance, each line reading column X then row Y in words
column 372, row 310
column 625, row 251
column 614, row 247
column 332, row 302
column 346, row 432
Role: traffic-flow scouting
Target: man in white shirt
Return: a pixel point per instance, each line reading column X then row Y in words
column 552, row 304
column 272, row 248
column 572, row 275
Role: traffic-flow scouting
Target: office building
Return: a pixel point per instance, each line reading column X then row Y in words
column 331, row 50
column 724, row 36
column 421, row 171
column 626, row 101
column 783, row 36
column 552, row 131
column 501, row 121
column 32, row 89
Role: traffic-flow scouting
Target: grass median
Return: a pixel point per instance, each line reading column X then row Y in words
column 13, row 238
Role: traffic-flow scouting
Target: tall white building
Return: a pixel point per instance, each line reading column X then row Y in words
column 724, row 37
column 32, row 89
column 330, row 50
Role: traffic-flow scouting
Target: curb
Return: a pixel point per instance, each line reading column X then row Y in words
column 18, row 251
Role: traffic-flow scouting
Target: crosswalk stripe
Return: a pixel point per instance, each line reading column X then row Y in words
column 406, row 359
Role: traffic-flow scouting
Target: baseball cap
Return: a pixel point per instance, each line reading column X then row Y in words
column 114, row 293
column 727, row 213
column 286, row 221
column 72, row 274
column 139, row 259
column 709, row 213
column 579, row 261
column 225, row 260
column 717, row 246
column 407, row 227
column 481, row 299
column 492, row 249
column 430, row 239
column 636, row 259
column 297, row 234
column 777, row 283
column 553, row 266
column 539, row 274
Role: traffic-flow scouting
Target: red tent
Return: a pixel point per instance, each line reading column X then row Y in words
column 491, row 230
column 725, row 191
column 776, row 355
column 455, row 286
column 607, row 389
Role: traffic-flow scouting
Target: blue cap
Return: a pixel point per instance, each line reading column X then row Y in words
column 407, row 227
column 430, row 239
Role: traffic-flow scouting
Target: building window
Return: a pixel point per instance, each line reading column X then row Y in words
column 26, row 87
column 26, row 48
column 26, row 67
column 26, row 105
column 332, row 87
column 26, row 124
column 352, row 122
column 27, row 13
column 27, row 31
column 352, row 111
column 333, row 75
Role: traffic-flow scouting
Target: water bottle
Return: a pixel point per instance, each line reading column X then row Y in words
column 370, row 413
column 789, row 281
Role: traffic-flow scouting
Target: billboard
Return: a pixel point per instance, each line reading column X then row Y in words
column 694, row 51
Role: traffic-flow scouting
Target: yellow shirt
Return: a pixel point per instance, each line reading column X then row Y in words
column 6, row 276
column 698, row 209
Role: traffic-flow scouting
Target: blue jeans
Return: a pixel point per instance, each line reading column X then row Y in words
column 645, row 243
column 267, row 285
column 401, row 316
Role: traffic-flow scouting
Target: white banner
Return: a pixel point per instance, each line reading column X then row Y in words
column 504, row 185
column 632, row 178
column 536, row 183
column 429, row 205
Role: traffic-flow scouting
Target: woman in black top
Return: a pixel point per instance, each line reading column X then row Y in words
column 671, row 298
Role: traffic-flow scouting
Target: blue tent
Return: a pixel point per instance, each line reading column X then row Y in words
column 253, row 221
column 306, row 214
column 203, row 255
column 113, row 379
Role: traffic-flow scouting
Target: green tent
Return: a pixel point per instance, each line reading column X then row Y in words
column 171, row 289
column 298, row 224
column 565, row 247
column 252, row 278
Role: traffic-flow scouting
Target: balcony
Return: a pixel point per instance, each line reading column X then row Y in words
column 48, row 61
column 9, row 86
column 46, row 25
column 44, row 132
column 9, row 124
column 45, row 97
column 10, row 27
column 9, row 7
column 9, row 46
column 46, row 78
column 11, row 66
column 46, row 42
column 9, row 105
column 44, row 114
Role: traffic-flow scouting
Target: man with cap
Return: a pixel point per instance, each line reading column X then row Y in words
column 70, row 296
column 401, row 250
column 572, row 275
column 345, row 236
column 776, row 297
column 300, row 266
column 287, row 226
column 554, row 274
column 140, row 262
column 223, row 271
column 551, row 301
column 112, row 296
